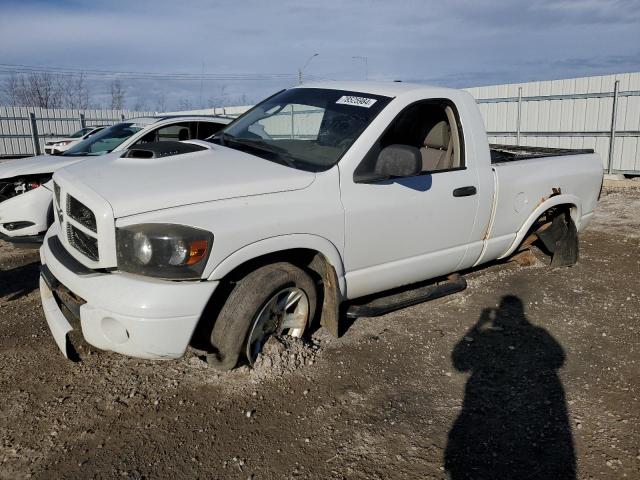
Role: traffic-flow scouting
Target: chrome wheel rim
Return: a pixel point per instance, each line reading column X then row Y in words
column 286, row 312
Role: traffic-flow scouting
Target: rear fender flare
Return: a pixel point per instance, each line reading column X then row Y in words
column 279, row 244
column 563, row 199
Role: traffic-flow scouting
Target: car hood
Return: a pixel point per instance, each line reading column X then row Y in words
column 137, row 185
column 38, row 165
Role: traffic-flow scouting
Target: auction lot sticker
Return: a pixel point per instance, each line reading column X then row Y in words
column 357, row 101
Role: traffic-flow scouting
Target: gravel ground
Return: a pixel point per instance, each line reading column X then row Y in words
column 531, row 372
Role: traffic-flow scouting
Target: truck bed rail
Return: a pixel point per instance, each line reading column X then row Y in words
column 511, row 153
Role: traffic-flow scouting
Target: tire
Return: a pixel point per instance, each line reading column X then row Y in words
column 246, row 306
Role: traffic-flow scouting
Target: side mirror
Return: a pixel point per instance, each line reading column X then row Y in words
column 394, row 161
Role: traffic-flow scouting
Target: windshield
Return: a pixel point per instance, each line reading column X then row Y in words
column 80, row 133
column 104, row 141
column 305, row 128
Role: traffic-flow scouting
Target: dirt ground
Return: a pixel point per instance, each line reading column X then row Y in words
column 531, row 372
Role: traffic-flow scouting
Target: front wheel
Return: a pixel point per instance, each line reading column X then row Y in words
column 277, row 299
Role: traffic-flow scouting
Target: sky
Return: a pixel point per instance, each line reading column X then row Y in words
column 457, row 43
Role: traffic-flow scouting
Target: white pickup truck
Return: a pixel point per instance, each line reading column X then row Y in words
column 322, row 196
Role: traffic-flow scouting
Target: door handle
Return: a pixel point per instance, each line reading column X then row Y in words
column 465, row 191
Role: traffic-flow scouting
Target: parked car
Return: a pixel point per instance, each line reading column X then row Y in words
column 26, row 209
column 56, row 147
column 320, row 196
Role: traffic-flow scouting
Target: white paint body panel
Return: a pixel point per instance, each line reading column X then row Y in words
column 215, row 174
column 523, row 195
column 414, row 228
column 376, row 236
column 32, row 206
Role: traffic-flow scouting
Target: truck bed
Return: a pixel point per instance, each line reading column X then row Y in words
column 512, row 153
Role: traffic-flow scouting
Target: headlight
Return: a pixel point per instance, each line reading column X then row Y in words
column 173, row 252
column 62, row 144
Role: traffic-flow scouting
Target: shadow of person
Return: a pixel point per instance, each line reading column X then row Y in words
column 514, row 422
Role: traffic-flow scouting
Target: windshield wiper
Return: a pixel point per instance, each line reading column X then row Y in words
column 280, row 153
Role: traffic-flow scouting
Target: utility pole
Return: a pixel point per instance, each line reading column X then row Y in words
column 201, row 85
column 301, row 70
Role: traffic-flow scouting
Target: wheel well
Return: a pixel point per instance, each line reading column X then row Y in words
column 300, row 257
column 544, row 221
column 309, row 260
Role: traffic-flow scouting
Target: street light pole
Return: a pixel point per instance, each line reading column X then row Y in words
column 301, row 70
column 366, row 65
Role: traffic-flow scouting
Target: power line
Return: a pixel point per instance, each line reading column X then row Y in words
column 7, row 69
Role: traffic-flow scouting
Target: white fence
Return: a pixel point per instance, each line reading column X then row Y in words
column 601, row 113
column 24, row 131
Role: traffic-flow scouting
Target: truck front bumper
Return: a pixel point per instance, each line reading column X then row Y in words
column 127, row 314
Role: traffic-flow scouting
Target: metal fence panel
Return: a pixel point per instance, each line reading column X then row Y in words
column 16, row 132
column 571, row 113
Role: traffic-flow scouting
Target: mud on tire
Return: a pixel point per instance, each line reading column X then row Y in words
column 249, row 298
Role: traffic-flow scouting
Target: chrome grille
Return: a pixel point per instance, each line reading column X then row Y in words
column 85, row 244
column 81, row 214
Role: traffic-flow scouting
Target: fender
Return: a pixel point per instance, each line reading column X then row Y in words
column 562, row 199
column 278, row 244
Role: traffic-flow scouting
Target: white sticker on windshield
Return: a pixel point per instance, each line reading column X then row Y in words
column 357, row 101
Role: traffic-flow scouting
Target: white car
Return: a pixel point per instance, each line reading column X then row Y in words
column 322, row 195
column 25, row 195
column 56, row 147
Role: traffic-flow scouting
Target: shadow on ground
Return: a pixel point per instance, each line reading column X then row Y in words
column 514, row 422
column 19, row 281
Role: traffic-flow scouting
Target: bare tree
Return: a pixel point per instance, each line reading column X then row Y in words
column 33, row 90
column 74, row 91
column 117, row 95
column 11, row 91
column 184, row 104
column 161, row 103
column 141, row 105
column 46, row 91
column 42, row 91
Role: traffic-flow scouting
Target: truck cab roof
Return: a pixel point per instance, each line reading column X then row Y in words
column 387, row 89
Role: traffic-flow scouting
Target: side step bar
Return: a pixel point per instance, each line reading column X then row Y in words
column 395, row 300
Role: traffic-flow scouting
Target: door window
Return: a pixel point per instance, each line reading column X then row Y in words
column 431, row 127
column 174, row 132
column 206, row 129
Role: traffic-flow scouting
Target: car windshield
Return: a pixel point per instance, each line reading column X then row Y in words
column 305, row 128
column 81, row 132
column 104, row 141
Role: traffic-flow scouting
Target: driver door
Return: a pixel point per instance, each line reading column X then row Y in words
column 410, row 229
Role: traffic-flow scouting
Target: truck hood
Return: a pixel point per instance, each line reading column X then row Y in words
column 39, row 165
column 138, row 185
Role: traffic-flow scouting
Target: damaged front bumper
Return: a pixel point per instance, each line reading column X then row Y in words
column 127, row 314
